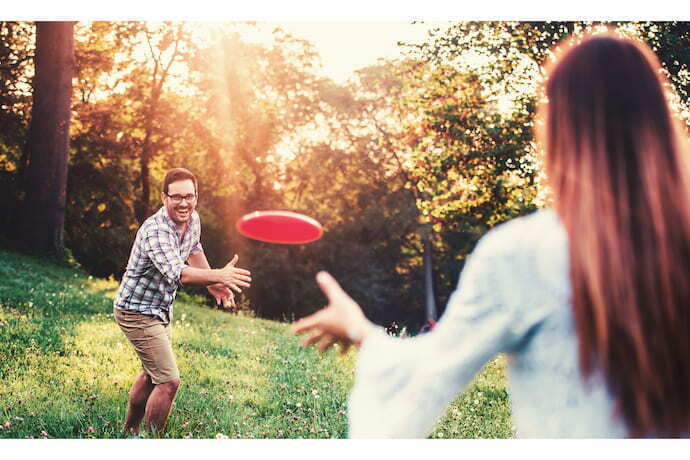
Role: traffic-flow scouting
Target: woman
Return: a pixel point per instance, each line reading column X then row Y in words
column 589, row 300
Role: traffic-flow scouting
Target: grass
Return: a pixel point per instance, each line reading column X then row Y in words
column 66, row 369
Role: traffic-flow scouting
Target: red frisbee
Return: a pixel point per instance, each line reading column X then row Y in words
column 282, row 227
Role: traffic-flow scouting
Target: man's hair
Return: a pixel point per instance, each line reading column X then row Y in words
column 178, row 174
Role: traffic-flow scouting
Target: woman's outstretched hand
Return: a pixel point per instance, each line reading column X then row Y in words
column 341, row 321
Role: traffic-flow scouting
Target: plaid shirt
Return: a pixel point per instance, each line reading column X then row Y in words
column 155, row 264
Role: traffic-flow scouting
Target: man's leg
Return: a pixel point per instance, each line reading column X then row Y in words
column 138, row 396
column 152, row 340
column 159, row 404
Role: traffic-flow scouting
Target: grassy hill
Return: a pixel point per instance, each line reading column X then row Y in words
column 66, row 369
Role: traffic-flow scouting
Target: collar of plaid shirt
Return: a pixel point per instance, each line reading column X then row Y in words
column 171, row 223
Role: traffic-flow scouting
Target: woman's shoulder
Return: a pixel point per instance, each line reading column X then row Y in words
column 538, row 229
column 528, row 254
column 539, row 221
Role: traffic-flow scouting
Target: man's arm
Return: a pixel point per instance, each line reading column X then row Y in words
column 198, row 260
column 229, row 275
column 160, row 245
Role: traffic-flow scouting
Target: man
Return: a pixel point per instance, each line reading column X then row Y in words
column 143, row 305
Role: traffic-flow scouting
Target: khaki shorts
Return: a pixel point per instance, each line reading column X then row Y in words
column 152, row 340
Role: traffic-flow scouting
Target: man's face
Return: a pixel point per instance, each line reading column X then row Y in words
column 180, row 211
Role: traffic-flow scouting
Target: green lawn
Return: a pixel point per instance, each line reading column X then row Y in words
column 66, row 369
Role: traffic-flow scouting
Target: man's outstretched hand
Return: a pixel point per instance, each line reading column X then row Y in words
column 234, row 277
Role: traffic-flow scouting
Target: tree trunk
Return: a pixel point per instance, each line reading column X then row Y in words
column 144, row 159
column 43, row 214
column 148, row 151
column 429, row 281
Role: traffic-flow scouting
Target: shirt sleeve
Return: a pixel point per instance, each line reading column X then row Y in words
column 161, row 247
column 196, row 249
column 403, row 386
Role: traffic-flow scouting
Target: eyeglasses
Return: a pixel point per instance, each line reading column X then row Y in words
column 176, row 198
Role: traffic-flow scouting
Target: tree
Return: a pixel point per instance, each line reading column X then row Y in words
column 348, row 180
column 464, row 121
column 164, row 53
column 17, row 40
column 16, row 63
column 220, row 112
column 669, row 41
column 435, row 146
column 43, row 211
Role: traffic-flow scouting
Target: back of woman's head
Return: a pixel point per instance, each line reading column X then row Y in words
column 617, row 162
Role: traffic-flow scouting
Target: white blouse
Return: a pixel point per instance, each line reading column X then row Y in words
column 513, row 297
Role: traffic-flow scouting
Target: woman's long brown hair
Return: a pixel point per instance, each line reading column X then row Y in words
column 617, row 162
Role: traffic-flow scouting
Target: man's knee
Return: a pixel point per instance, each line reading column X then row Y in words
column 141, row 388
column 171, row 386
column 144, row 379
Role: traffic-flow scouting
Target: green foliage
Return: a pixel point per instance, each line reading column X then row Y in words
column 437, row 144
column 466, row 165
column 669, row 41
column 464, row 122
column 66, row 369
column 16, row 69
column 366, row 222
column 144, row 109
